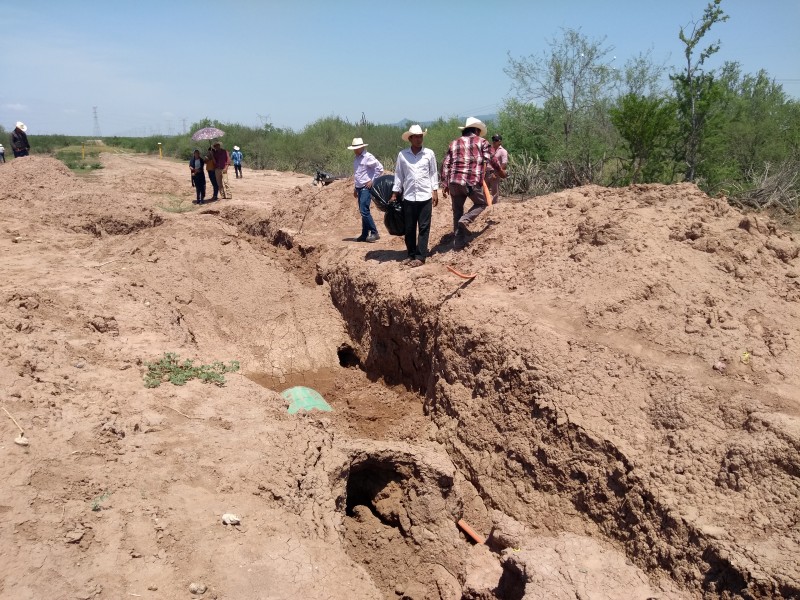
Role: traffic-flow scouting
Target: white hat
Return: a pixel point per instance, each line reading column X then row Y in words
column 236, row 147
column 414, row 130
column 21, row 126
column 473, row 122
column 357, row 143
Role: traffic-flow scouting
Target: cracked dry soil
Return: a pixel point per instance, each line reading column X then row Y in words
column 612, row 403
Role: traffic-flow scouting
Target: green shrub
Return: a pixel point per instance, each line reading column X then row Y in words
column 171, row 368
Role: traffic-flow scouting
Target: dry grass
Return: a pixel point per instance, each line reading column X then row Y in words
column 775, row 188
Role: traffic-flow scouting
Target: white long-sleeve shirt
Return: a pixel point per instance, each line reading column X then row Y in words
column 366, row 168
column 416, row 175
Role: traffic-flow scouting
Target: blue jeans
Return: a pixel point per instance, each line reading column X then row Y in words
column 367, row 223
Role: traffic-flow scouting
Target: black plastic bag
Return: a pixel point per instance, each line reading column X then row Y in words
column 381, row 192
column 394, row 220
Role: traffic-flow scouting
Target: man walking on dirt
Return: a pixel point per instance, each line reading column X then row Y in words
column 19, row 140
column 221, row 162
column 366, row 168
column 417, row 176
column 462, row 175
column 493, row 177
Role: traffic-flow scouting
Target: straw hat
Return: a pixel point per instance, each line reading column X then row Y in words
column 236, row 147
column 477, row 123
column 21, row 126
column 414, row 130
column 357, row 143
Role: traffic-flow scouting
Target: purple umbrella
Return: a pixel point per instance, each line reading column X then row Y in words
column 207, row 133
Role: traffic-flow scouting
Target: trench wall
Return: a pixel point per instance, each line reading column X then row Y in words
column 495, row 396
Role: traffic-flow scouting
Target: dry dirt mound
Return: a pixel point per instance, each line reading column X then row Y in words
column 643, row 338
column 611, row 401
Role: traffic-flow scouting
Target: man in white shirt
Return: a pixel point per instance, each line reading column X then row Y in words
column 366, row 169
column 417, row 177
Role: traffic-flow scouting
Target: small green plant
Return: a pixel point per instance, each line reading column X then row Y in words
column 99, row 500
column 171, row 368
column 79, row 160
column 175, row 205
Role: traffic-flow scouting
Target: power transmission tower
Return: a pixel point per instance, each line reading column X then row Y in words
column 184, row 124
column 96, row 132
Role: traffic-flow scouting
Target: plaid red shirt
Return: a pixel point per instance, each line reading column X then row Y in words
column 466, row 160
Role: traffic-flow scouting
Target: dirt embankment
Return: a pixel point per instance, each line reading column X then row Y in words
column 624, row 355
column 613, row 400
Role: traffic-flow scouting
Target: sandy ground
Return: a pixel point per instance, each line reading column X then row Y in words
column 613, row 401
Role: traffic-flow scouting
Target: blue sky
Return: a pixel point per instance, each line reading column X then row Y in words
column 151, row 65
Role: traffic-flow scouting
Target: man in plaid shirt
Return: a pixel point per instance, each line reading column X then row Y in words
column 462, row 175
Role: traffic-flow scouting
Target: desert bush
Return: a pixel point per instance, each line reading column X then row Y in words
column 526, row 175
column 770, row 189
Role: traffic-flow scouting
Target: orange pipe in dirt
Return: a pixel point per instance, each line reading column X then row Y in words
column 462, row 275
column 470, row 531
column 487, row 193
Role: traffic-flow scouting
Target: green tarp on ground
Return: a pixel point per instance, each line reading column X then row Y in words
column 304, row 398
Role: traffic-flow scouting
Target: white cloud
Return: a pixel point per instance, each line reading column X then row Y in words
column 15, row 106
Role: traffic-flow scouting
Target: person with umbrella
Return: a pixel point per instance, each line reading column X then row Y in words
column 210, row 133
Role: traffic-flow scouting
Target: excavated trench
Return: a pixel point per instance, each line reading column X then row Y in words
column 514, row 451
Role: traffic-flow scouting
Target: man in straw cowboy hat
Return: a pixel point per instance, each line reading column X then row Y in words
column 416, row 175
column 462, row 175
column 19, row 140
column 366, row 168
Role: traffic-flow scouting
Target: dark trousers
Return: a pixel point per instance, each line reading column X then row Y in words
column 417, row 214
column 212, row 177
column 459, row 194
column 238, row 170
column 200, row 185
column 18, row 153
column 3, row 156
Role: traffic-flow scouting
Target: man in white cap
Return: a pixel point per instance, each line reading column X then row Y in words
column 416, row 176
column 236, row 158
column 19, row 140
column 366, row 169
column 463, row 170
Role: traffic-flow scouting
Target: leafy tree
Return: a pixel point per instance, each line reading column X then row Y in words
column 646, row 124
column 695, row 88
column 523, row 126
column 573, row 81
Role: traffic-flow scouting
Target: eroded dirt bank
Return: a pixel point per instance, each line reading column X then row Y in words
column 624, row 355
column 574, row 412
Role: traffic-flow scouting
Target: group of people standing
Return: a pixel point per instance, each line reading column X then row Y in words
column 470, row 164
column 215, row 162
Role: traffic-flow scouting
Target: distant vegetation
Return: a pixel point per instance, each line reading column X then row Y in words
column 578, row 117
